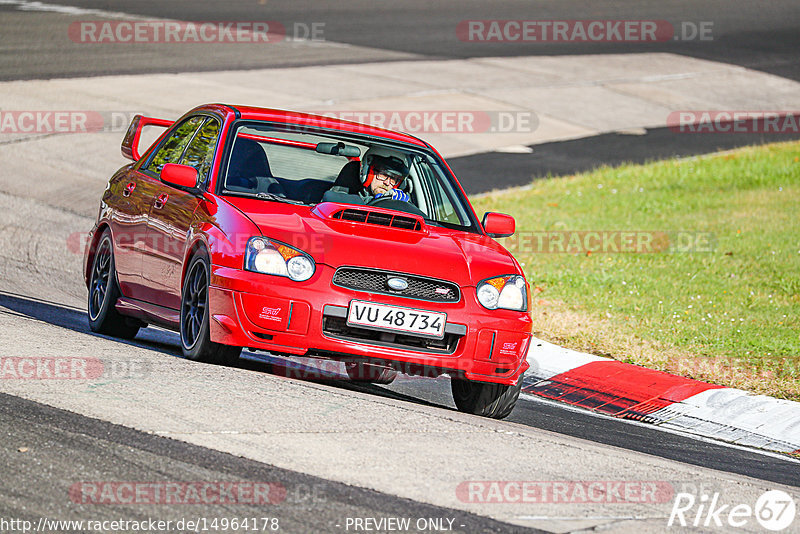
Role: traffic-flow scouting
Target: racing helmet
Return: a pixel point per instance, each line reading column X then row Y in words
column 384, row 160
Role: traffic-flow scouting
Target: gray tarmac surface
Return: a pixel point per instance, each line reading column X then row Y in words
column 339, row 449
column 758, row 35
column 53, row 450
column 531, row 411
column 405, row 441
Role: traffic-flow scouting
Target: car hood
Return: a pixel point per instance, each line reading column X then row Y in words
column 462, row 257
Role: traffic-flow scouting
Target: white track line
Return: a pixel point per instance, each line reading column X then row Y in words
column 25, row 5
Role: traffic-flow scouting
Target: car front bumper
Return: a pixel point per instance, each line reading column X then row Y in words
column 276, row 314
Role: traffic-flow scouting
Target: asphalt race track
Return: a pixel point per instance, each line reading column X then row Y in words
column 753, row 35
column 79, row 444
column 62, row 440
column 531, row 412
column 756, row 35
column 340, row 451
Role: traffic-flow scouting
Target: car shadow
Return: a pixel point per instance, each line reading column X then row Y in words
column 74, row 319
column 327, row 372
column 167, row 342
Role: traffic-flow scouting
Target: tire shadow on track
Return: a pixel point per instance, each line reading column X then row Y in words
column 74, row 319
column 328, row 375
column 167, row 342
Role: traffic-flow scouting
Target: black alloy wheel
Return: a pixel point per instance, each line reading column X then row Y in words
column 194, row 317
column 104, row 292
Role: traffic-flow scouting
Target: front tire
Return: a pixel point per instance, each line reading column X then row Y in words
column 485, row 399
column 104, row 292
column 196, row 341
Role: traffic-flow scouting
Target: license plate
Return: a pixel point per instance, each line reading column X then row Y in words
column 397, row 319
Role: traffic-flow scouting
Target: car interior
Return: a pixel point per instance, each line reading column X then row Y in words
column 278, row 163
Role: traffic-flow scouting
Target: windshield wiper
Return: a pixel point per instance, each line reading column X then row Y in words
column 277, row 198
column 266, row 196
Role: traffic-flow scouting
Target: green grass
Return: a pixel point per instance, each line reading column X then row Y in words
column 729, row 313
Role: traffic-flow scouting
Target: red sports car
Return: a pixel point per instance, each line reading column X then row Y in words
column 303, row 235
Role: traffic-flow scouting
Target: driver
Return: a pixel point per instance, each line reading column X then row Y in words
column 386, row 176
column 382, row 175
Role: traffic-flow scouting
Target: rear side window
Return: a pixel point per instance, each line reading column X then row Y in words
column 172, row 149
column 200, row 152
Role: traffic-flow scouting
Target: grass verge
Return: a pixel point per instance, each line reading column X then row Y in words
column 689, row 266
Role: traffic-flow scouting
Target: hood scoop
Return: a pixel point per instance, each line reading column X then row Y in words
column 379, row 218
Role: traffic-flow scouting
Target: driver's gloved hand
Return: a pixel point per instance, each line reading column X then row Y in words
column 396, row 194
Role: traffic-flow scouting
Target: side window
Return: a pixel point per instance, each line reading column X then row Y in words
column 172, row 149
column 443, row 209
column 200, row 152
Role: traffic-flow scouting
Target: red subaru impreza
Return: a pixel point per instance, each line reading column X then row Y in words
column 303, row 235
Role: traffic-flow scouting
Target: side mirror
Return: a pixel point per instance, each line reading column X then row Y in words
column 179, row 175
column 498, row 224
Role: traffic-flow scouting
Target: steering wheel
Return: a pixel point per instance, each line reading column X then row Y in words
column 389, row 203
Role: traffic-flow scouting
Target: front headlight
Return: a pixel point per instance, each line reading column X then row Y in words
column 272, row 257
column 506, row 292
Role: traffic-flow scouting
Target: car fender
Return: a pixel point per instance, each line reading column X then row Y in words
column 91, row 246
column 223, row 230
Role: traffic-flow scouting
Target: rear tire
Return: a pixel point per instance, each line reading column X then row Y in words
column 485, row 399
column 104, row 292
column 196, row 341
column 374, row 374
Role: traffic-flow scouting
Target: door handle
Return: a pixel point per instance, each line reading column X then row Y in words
column 129, row 189
column 160, row 201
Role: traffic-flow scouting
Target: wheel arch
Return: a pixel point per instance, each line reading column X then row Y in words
column 191, row 250
column 92, row 249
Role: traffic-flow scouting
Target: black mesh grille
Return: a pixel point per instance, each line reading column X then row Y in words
column 338, row 327
column 419, row 287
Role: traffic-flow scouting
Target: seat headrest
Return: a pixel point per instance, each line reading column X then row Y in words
column 349, row 177
column 248, row 161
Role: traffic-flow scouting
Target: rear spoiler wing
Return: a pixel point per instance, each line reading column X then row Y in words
column 130, row 143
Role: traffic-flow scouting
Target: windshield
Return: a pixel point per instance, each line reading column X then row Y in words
column 276, row 163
